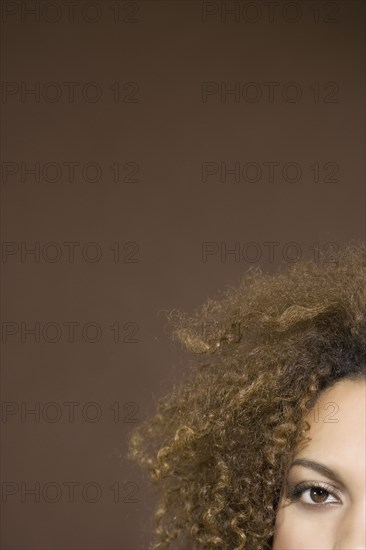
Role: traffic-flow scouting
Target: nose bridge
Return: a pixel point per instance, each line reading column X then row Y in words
column 351, row 532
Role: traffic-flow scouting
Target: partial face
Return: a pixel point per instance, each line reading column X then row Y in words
column 326, row 509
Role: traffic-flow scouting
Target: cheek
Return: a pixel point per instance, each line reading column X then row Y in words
column 291, row 533
column 299, row 530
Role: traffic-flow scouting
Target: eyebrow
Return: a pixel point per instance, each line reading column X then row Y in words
column 317, row 467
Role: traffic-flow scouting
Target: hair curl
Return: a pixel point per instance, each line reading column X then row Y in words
column 218, row 445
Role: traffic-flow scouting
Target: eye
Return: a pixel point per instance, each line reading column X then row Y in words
column 313, row 493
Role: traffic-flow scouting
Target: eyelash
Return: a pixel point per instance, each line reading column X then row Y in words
column 295, row 492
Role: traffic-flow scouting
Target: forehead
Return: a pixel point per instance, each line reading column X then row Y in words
column 338, row 428
column 344, row 402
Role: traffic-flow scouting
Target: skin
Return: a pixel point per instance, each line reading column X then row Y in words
column 318, row 520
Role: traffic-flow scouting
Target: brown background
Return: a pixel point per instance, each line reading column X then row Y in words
column 161, row 53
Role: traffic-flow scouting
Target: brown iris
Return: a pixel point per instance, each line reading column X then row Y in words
column 318, row 494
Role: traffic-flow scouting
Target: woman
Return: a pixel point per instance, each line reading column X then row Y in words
column 263, row 445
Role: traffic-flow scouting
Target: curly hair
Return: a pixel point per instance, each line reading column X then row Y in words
column 218, row 446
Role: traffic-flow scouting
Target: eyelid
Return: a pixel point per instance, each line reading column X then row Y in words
column 320, row 468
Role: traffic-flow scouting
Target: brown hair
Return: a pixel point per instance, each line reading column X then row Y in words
column 218, row 445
